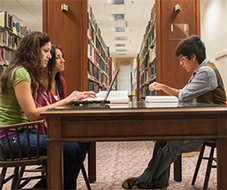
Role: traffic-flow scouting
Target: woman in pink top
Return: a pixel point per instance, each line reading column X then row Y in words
column 57, row 84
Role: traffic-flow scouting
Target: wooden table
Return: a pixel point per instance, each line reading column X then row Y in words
column 132, row 124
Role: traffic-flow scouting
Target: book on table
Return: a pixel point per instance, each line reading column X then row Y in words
column 161, row 101
column 115, row 97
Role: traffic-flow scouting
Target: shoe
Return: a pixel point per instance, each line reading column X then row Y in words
column 129, row 183
column 152, row 187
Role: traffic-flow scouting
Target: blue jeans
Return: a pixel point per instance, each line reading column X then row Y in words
column 164, row 154
column 73, row 153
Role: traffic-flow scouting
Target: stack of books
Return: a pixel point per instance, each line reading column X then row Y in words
column 161, row 101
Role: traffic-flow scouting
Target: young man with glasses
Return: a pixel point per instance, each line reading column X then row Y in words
column 204, row 86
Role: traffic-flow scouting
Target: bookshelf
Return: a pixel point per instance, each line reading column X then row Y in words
column 156, row 60
column 85, row 51
column 147, row 56
column 98, row 54
column 112, row 70
column 11, row 33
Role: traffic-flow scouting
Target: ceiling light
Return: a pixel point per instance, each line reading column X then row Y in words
column 120, row 45
column 120, row 38
column 116, row 17
column 115, row 2
column 120, row 50
column 118, row 29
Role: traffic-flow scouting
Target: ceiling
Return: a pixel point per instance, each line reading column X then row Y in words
column 136, row 17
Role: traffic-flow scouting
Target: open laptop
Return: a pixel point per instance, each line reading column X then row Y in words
column 92, row 102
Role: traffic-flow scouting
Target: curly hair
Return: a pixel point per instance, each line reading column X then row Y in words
column 28, row 56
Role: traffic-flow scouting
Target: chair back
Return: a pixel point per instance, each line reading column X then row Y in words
column 16, row 129
column 20, row 156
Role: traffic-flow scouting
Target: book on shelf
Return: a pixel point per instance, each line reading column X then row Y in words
column 90, row 52
column 1, row 56
column 2, row 68
column 161, row 101
column 90, row 86
column 5, row 20
column 2, row 18
column 93, row 86
column 16, row 28
column 96, row 73
column 152, row 54
column 5, row 56
column 100, row 77
column 90, row 68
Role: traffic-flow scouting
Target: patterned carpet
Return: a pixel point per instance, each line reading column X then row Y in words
column 117, row 161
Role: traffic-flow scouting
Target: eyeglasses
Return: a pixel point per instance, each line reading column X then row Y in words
column 183, row 58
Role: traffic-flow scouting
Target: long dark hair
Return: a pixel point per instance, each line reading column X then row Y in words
column 51, row 69
column 28, row 56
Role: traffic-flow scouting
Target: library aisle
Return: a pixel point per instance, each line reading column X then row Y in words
column 117, row 161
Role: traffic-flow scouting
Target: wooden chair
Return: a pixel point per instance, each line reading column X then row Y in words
column 84, row 173
column 210, row 164
column 20, row 163
column 85, row 177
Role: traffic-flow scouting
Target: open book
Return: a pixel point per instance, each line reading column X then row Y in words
column 115, row 97
column 161, row 101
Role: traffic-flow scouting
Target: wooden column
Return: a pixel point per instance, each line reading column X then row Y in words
column 168, row 69
column 68, row 29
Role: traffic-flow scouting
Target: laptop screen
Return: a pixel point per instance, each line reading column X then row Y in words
column 111, row 84
column 94, row 101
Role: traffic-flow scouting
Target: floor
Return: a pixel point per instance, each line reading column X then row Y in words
column 117, row 161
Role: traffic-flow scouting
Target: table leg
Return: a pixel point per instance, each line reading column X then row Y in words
column 55, row 174
column 221, row 143
column 178, row 169
column 92, row 162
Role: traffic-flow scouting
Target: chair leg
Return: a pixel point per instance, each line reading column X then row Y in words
column 85, row 177
column 198, row 164
column 20, row 175
column 209, row 166
column 2, row 177
column 15, row 178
